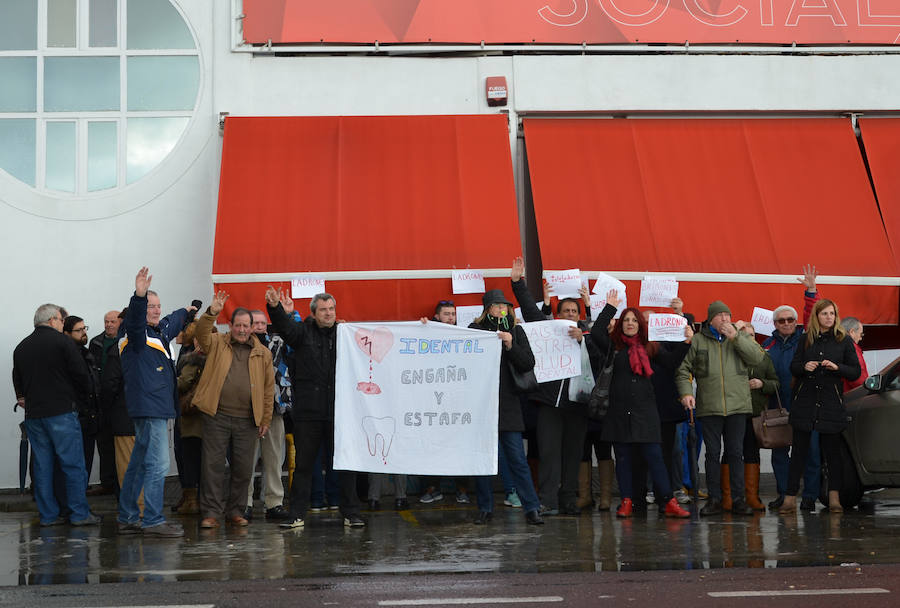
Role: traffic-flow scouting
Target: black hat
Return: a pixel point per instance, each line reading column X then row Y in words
column 494, row 296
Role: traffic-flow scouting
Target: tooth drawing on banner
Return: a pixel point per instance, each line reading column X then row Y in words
column 376, row 428
column 376, row 344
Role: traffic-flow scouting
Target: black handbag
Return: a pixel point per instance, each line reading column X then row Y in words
column 598, row 404
column 523, row 382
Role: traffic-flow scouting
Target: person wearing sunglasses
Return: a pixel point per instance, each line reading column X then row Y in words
column 781, row 346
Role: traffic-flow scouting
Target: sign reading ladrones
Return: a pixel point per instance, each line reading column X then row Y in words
column 416, row 398
column 573, row 21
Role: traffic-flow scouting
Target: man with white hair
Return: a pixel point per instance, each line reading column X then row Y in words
column 781, row 347
column 50, row 377
column 854, row 329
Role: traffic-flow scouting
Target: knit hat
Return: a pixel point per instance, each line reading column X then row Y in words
column 494, row 296
column 715, row 308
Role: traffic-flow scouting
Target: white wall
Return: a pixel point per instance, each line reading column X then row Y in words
column 84, row 254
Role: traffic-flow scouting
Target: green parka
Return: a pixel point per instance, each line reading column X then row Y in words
column 721, row 370
column 765, row 371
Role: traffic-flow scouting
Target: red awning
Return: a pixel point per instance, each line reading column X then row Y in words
column 717, row 202
column 881, row 138
column 416, row 194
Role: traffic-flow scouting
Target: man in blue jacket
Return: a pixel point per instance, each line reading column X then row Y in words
column 151, row 398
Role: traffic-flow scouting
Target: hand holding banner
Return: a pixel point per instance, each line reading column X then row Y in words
column 666, row 328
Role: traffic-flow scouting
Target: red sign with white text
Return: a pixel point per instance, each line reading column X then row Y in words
column 572, row 21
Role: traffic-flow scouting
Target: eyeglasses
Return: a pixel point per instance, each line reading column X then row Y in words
column 785, row 321
column 81, row 329
column 446, row 303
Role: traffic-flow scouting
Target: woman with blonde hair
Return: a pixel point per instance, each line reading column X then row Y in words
column 824, row 358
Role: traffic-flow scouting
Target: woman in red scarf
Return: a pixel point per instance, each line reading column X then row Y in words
column 632, row 422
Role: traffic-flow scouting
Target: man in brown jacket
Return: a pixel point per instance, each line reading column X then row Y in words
column 235, row 395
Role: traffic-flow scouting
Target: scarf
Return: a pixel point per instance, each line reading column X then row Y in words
column 637, row 356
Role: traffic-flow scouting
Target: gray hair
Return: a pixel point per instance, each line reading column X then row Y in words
column 784, row 308
column 150, row 292
column 320, row 297
column 850, row 324
column 45, row 313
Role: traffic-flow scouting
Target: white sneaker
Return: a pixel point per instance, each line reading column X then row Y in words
column 294, row 523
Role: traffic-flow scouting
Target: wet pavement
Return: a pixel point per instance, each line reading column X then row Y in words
column 430, row 539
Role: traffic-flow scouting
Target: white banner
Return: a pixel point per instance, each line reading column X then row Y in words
column 666, row 328
column 416, row 398
column 307, row 285
column 468, row 281
column 564, row 283
column 762, row 321
column 556, row 355
column 598, row 303
column 658, row 290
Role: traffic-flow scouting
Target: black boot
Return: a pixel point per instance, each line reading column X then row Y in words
column 713, row 507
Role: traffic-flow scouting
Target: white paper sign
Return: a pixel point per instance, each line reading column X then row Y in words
column 556, row 355
column 606, row 282
column 466, row 314
column 666, row 328
column 307, row 285
column 762, row 321
column 468, row 281
column 564, row 283
column 416, row 398
column 598, row 302
column 657, row 290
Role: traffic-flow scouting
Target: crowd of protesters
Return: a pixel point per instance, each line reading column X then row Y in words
column 255, row 391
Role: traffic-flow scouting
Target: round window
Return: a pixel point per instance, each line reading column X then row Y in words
column 96, row 92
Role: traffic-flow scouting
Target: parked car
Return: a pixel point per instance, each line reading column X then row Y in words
column 871, row 447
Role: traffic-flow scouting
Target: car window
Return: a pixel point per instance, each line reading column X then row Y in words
column 892, row 379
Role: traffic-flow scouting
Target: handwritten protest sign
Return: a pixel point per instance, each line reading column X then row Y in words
column 466, row 314
column 762, row 321
column 468, row 281
column 564, row 283
column 598, row 302
column 416, row 398
column 307, row 285
column 658, row 290
column 666, row 328
column 606, row 282
column 556, row 355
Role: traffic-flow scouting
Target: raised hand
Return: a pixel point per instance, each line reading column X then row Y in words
column 585, row 296
column 286, row 303
column 518, row 269
column 272, row 296
column 218, row 302
column 809, row 278
column 547, row 290
column 142, row 282
column 612, row 298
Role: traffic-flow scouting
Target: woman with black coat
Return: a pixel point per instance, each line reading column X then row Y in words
column 499, row 317
column 824, row 359
column 632, row 422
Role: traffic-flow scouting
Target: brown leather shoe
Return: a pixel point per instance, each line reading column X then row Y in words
column 98, row 491
column 209, row 522
column 237, row 520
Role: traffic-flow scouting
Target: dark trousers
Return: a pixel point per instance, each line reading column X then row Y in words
column 309, row 436
column 88, row 439
column 592, row 442
column 191, row 461
column 751, row 447
column 652, row 455
column 732, row 429
column 831, row 447
column 560, row 433
column 218, row 432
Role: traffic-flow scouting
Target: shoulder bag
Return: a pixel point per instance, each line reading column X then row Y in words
column 772, row 427
column 598, row 404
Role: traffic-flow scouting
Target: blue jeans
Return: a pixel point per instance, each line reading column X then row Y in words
column 58, row 438
column 323, row 486
column 146, row 471
column 811, row 475
column 505, row 475
column 511, row 447
column 652, row 453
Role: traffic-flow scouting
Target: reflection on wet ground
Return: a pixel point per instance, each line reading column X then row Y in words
column 442, row 538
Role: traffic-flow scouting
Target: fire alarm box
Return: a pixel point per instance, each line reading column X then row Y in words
column 495, row 87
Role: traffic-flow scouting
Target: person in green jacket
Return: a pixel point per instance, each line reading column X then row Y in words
column 719, row 360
